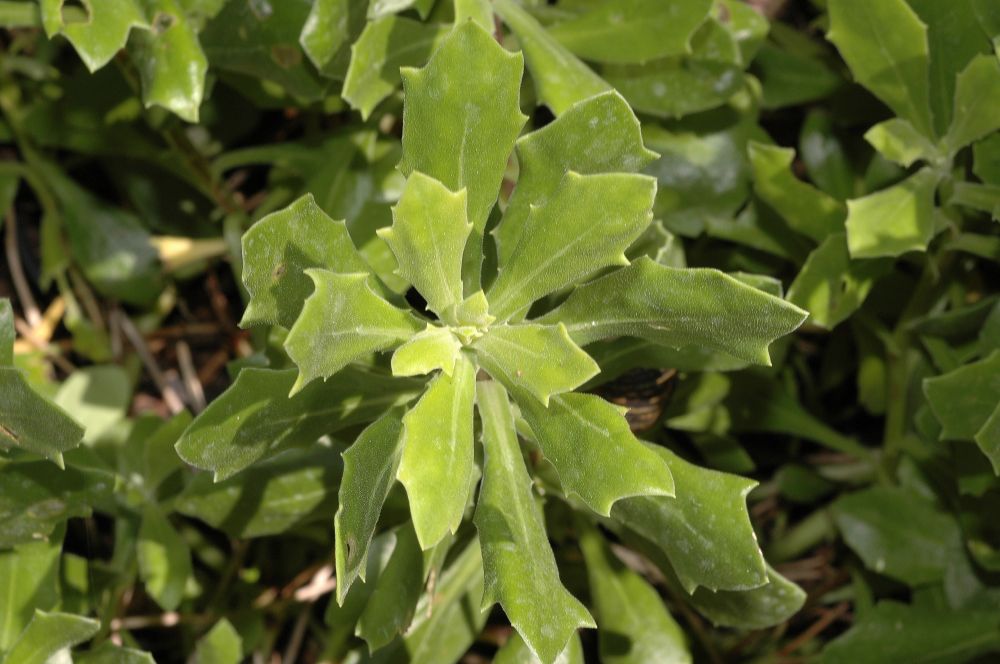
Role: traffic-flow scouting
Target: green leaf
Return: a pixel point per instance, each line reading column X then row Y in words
column 47, row 634
column 29, row 580
column 108, row 653
column 536, row 360
column 31, row 422
column 221, row 645
column 583, row 226
column 597, row 457
column 102, row 34
column 560, row 79
column 792, row 76
column 806, row 209
column 825, row 157
column 633, row 625
column 895, row 220
column 331, row 26
column 294, row 488
column 34, row 499
column 894, row 63
column 954, row 38
column 278, row 250
column 343, row 321
column 428, row 235
column 977, row 97
column 678, row 86
column 385, row 45
column 390, row 608
column 599, row 134
column 98, row 397
column 460, row 120
column 255, row 418
column 758, row 608
column 678, row 307
column 261, row 40
column 898, row 141
column 370, row 466
column 898, row 533
column 894, row 632
column 516, row 651
column 434, row 348
column 521, row 572
column 632, row 31
column 437, row 460
column 171, row 64
column 830, row 286
column 164, row 559
column 965, row 402
column 705, row 531
column 7, row 333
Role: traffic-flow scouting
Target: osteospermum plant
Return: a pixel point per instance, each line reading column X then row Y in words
column 515, row 290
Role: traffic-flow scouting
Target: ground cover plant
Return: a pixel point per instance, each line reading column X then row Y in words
column 499, row 330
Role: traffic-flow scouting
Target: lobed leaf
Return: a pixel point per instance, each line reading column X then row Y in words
column 705, row 531
column 460, row 120
column 47, row 634
column 343, row 321
column 597, row 457
column 677, row 308
column 521, row 572
column 895, row 220
column 977, row 97
column 255, row 418
column 103, row 34
column 434, row 348
column 583, row 227
column 428, row 235
column 278, row 250
column 893, row 64
column 898, row 141
column 966, row 401
column 29, row 580
column 535, row 360
column 437, row 458
column 599, row 134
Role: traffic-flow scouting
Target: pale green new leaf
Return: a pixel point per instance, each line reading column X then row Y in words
column 255, row 418
column 705, row 531
column 597, row 457
column 899, row 142
column 806, row 209
column 47, row 634
column 277, row 251
column 885, row 45
column 521, row 572
column 758, row 608
column 634, row 627
column 370, row 466
column 385, row 45
column 678, row 307
column 584, row 226
column 632, row 31
column 163, row 557
column 536, row 361
column 460, row 120
column 343, row 321
column 560, row 78
column 428, row 235
column 103, row 34
column 597, row 135
column 434, row 348
column 29, row 580
column 221, row 645
column 171, row 64
column 977, row 97
column 437, row 463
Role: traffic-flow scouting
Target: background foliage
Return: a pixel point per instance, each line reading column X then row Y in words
column 842, row 156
